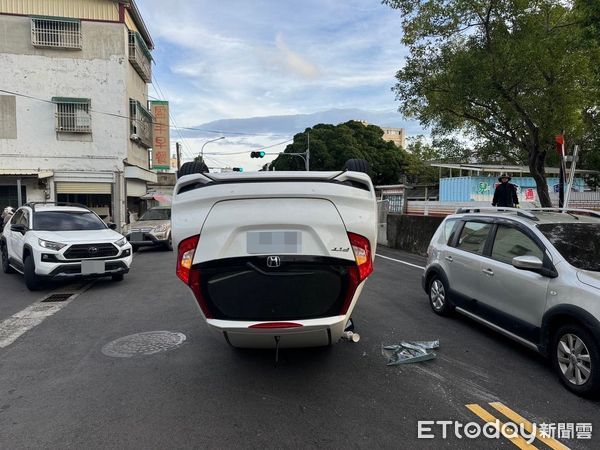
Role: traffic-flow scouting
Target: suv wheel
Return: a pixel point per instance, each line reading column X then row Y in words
column 5, row 265
column 118, row 277
column 576, row 358
column 438, row 297
column 169, row 244
column 32, row 281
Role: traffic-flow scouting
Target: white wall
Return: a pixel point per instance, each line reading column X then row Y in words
column 97, row 72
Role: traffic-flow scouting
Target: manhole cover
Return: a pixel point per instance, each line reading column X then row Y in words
column 140, row 344
column 57, row 298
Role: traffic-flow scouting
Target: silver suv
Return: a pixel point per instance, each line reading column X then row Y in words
column 533, row 275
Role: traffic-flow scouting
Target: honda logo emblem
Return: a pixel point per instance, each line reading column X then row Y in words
column 273, row 261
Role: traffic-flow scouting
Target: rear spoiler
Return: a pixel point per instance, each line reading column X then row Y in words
column 200, row 180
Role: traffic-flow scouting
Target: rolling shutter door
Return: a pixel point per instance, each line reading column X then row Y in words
column 83, row 188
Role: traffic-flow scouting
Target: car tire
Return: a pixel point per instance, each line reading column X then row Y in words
column 192, row 167
column 32, row 281
column 169, row 244
column 357, row 165
column 118, row 277
column 5, row 265
column 438, row 296
column 134, row 248
column 574, row 352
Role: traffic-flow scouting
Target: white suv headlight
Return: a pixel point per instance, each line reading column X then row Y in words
column 121, row 242
column 56, row 246
column 161, row 228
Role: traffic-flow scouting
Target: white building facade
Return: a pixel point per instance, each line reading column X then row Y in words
column 74, row 123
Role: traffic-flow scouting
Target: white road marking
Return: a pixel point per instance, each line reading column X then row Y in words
column 401, row 262
column 23, row 321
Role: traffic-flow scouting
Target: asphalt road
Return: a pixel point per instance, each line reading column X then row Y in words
column 59, row 390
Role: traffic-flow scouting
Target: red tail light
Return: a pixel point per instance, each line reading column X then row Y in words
column 364, row 266
column 190, row 276
column 362, row 254
column 185, row 257
column 276, row 325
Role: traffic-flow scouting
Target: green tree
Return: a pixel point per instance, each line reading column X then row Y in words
column 512, row 74
column 332, row 145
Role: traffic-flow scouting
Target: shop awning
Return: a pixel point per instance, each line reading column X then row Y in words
column 26, row 173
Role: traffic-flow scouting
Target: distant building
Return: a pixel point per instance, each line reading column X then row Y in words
column 390, row 134
column 77, row 127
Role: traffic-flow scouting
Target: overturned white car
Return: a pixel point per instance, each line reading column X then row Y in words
column 275, row 259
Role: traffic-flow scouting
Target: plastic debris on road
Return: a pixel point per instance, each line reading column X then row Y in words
column 409, row 352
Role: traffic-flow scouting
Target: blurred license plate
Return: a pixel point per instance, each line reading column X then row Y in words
column 274, row 242
column 89, row 267
column 136, row 237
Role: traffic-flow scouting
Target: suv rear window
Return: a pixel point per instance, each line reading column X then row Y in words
column 473, row 236
column 578, row 243
column 67, row 221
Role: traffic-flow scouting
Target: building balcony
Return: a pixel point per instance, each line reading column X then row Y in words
column 139, row 56
column 140, row 124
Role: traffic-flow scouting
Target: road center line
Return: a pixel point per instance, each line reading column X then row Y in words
column 401, row 262
column 26, row 319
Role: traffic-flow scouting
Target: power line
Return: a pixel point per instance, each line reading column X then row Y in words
column 237, row 133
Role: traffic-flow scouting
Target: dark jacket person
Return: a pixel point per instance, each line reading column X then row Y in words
column 506, row 193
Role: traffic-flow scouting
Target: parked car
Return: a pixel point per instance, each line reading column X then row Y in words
column 153, row 229
column 275, row 259
column 533, row 275
column 52, row 241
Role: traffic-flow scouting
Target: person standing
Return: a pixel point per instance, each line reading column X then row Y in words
column 505, row 194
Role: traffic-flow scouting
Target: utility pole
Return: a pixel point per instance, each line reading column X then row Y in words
column 178, row 153
column 308, row 151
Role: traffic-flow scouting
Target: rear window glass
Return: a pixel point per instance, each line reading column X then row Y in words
column 67, row 221
column 473, row 236
column 578, row 243
column 447, row 229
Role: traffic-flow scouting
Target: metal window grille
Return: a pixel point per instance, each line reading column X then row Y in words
column 396, row 202
column 73, row 117
column 140, row 56
column 56, row 33
column 140, row 124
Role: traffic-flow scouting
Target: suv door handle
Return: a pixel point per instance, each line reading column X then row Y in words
column 449, row 258
column 489, row 272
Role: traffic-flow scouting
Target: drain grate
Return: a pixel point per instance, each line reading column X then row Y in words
column 147, row 343
column 57, row 298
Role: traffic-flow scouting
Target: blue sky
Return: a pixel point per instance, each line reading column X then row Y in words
column 237, row 59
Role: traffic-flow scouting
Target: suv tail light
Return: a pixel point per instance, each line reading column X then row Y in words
column 364, row 266
column 189, row 275
column 362, row 254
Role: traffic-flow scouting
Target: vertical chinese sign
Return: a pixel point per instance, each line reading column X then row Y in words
column 161, row 155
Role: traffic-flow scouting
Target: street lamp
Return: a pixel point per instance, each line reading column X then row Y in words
column 208, row 142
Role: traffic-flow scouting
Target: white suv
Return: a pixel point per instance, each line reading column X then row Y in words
column 52, row 241
column 275, row 259
column 533, row 275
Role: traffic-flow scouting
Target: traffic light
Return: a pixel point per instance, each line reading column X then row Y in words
column 238, row 169
column 257, row 154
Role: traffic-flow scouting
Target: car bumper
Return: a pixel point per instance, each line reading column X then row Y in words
column 148, row 240
column 65, row 269
column 73, row 271
column 303, row 333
